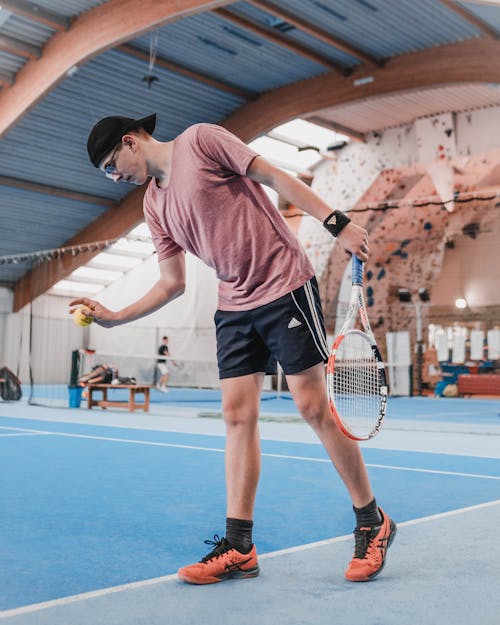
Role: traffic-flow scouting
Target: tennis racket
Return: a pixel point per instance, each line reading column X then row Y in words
column 357, row 386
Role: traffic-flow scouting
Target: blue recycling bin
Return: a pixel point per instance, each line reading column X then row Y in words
column 75, row 396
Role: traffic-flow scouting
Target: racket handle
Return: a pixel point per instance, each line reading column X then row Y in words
column 357, row 270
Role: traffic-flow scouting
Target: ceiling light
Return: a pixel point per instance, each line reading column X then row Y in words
column 359, row 82
column 461, row 303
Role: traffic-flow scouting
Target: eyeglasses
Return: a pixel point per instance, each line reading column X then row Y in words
column 110, row 167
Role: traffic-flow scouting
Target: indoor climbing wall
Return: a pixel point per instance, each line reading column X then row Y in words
column 393, row 185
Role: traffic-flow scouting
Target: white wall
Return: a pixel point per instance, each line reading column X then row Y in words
column 188, row 320
column 470, row 270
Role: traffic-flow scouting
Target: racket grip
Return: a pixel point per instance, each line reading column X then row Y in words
column 357, row 270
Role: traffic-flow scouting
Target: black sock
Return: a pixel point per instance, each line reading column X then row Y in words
column 239, row 534
column 368, row 516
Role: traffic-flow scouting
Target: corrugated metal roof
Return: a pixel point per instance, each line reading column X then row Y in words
column 213, row 45
column 486, row 12
column 27, row 31
column 35, row 33
column 10, row 62
column 389, row 111
column 32, row 221
column 384, row 28
column 69, row 8
column 267, row 19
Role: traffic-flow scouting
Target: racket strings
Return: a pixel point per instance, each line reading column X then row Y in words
column 355, row 385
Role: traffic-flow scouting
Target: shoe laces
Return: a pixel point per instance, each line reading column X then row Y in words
column 363, row 537
column 220, row 546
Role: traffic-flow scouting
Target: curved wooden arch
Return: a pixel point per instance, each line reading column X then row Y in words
column 474, row 61
column 90, row 34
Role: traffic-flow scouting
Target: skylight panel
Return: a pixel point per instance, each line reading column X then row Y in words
column 141, row 230
column 285, row 155
column 100, row 275
column 117, row 260
column 127, row 245
column 307, row 133
column 77, row 288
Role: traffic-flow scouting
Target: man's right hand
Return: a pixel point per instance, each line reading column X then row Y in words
column 102, row 316
column 354, row 239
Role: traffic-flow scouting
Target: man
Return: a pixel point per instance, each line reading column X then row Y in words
column 205, row 196
column 161, row 363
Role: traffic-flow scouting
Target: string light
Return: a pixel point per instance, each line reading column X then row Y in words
column 74, row 250
column 458, row 198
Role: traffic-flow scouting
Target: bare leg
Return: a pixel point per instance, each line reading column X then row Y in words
column 240, row 406
column 164, row 379
column 308, row 389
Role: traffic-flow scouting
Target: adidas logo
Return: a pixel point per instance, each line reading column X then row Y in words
column 294, row 323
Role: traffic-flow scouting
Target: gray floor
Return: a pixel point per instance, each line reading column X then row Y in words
column 443, row 569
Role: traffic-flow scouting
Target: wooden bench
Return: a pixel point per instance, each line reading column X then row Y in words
column 131, row 404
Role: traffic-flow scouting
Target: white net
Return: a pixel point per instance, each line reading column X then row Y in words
column 145, row 369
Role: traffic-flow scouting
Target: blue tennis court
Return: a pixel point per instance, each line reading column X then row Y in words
column 86, row 507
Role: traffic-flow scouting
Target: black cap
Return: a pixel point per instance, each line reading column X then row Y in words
column 107, row 133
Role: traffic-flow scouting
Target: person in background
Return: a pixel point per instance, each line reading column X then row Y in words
column 161, row 363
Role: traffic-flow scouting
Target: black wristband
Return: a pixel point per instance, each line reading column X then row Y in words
column 336, row 222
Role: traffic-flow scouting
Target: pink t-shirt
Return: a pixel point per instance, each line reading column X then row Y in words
column 211, row 209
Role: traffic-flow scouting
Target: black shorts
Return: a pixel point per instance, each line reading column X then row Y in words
column 289, row 330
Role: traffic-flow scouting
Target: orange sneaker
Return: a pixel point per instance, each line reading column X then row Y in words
column 222, row 563
column 371, row 545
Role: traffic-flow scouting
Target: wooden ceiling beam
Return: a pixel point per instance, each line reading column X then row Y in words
column 104, row 27
column 281, row 40
column 331, row 125
column 112, row 224
column 36, row 13
column 184, row 71
column 315, row 31
column 36, row 187
column 473, row 61
column 462, row 12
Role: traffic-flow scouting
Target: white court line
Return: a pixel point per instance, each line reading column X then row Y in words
column 490, row 411
column 35, row 607
column 23, row 434
column 458, row 474
column 266, row 454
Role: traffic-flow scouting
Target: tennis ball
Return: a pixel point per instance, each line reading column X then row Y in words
column 82, row 317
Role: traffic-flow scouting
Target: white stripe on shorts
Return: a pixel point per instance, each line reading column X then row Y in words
column 317, row 336
column 317, row 323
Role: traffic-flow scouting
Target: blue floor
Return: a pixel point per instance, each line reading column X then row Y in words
column 422, row 408
column 80, row 511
